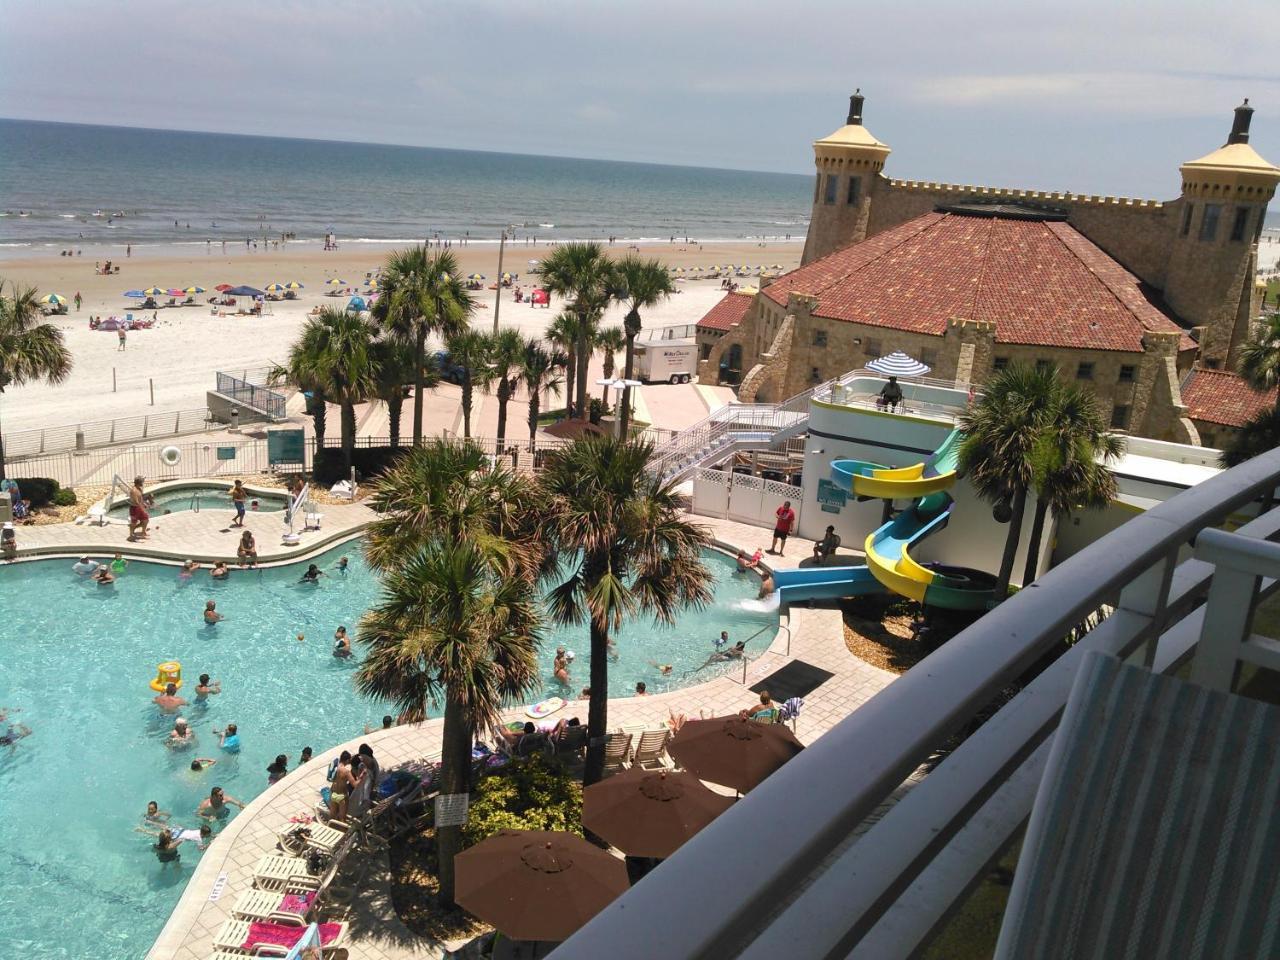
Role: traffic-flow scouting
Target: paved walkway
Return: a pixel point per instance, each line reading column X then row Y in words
column 813, row 635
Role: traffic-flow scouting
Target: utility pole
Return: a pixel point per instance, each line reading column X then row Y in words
column 497, row 297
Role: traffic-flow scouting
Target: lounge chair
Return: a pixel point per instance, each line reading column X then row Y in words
column 300, row 838
column 650, row 749
column 290, row 906
column 617, row 751
column 254, row 936
column 571, row 741
column 275, row 872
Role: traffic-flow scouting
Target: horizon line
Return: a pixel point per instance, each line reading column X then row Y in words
column 403, row 146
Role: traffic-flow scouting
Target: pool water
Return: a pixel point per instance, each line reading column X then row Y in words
column 77, row 881
column 201, row 498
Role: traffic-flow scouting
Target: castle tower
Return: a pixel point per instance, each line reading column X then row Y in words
column 848, row 162
column 1213, row 257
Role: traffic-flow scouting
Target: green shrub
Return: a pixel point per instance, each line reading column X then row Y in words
column 64, row 497
column 533, row 794
column 39, row 490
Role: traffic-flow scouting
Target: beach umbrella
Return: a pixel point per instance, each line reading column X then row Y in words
column 134, row 293
column 293, row 285
column 373, row 283
column 56, row 299
column 537, row 884
column 475, row 277
column 154, row 292
column 223, row 287
column 335, row 282
column 244, row 291
column 193, row 289
column 506, row 276
column 310, row 938
column 898, row 364
column 732, row 751
column 275, row 288
column 650, row 813
column 679, row 270
column 176, row 292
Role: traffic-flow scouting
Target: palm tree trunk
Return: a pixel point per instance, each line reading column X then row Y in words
column 504, row 394
column 584, row 352
column 2, row 476
column 1029, row 572
column 319, row 417
column 535, row 401
column 570, row 376
column 419, row 363
column 395, row 406
column 1019, row 508
column 466, row 404
column 627, row 368
column 348, row 433
column 455, row 778
column 598, row 707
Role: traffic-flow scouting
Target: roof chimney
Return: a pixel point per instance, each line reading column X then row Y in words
column 1240, row 126
column 855, row 111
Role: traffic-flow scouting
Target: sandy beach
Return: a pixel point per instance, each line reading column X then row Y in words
column 188, row 345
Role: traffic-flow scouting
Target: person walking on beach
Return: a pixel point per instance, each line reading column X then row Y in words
column 122, row 336
column 238, row 497
column 128, row 248
column 138, row 516
column 79, row 300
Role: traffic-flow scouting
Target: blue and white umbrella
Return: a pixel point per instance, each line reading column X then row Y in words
column 309, row 938
column 898, row 364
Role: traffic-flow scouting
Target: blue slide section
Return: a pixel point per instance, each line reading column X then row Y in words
column 825, row 583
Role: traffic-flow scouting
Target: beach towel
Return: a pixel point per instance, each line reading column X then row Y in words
column 298, row 903
column 281, row 935
column 791, row 709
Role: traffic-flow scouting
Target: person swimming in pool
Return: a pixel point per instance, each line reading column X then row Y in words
column 103, row 576
column 220, row 571
column 188, row 568
column 211, row 614
column 662, row 668
column 169, row 701
column 230, row 741
column 312, row 575
column 201, row 764
column 166, row 848
column 11, row 732
column 341, row 643
column 736, row 652
column 560, row 666
column 206, row 687
column 217, row 806
column 154, row 814
column 342, row 565
column 201, row 837
column 83, row 567
column 181, row 737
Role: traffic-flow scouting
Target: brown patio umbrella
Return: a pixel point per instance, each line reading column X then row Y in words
column 731, row 751
column 537, row 884
column 647, row 813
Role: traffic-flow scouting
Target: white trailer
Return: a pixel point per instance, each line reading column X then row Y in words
column 666, row 361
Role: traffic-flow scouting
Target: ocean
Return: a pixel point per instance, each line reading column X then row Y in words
column 72, row 185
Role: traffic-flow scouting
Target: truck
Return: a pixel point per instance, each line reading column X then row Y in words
column 666, row 361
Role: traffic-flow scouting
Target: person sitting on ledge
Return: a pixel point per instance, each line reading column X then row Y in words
column 890, row 395
column 827, row 546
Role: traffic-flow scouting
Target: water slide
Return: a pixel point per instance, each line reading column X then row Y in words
column 889, row 565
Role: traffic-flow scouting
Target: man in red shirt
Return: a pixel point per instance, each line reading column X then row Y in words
column 782, row 528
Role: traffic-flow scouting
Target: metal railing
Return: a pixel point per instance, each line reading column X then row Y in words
column 101, row 433
column 732, row 890
column 255, row 396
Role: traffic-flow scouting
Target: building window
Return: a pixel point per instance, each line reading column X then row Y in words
column 872, row 348
column 706, row 352
column 817, row 188
column 1209, row 225
column 819, row 338
column 815, row 375
column 929, row 356
column 1043, row 366
column 855, row 184
column 1000, row 363
column 1120, row 417
column 1186, row 216
column 1084, row 371
column 832, row 182
column 1126, row 373
column 1241, row 222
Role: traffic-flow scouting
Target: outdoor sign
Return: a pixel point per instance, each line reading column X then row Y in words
column 451, row 809
column 226, row 453
column 286, row 446
column 830, row 497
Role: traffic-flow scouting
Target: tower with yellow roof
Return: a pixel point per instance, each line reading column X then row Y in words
column 1213, row 255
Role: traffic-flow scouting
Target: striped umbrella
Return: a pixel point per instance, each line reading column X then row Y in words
column 293, row 285
column 475, row 277
column 898, row 364
column 56, row 299
column 154, row 292
column 373, row 283
column 275, row 288
column 193, row 289
column 335, row 282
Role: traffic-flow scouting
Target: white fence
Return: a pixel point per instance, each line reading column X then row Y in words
column 99, row 433
column 742, row 497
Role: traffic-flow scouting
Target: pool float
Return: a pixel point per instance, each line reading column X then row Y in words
column 167, row 673
column 544, row 708
column 170, row 455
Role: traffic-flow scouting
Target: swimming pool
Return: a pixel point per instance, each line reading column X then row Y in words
column 201, row 498
column 77, row 881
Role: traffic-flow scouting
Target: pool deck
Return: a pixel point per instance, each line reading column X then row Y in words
column 815, row 636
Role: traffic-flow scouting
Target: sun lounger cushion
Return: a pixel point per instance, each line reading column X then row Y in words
column 281, row 935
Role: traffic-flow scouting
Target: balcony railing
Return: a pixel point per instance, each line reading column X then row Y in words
column 779, row 874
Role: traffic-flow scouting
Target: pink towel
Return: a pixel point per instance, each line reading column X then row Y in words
column 280, row 935
column 296, row 903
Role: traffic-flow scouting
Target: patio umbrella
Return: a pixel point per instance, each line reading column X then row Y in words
column 275, row 288
column 537, row 884
column 154, row 292
column 134, row 293
column 223, row 287
column 193, row 289
column 898, row 364
column 734, row 752
column 56, row 299
column 244, row 291
column 293, row 285
column 648, row 813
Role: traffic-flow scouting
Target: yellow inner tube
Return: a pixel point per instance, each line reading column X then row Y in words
column 167, row 673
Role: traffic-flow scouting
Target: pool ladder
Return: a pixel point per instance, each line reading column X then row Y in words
column 194, row 505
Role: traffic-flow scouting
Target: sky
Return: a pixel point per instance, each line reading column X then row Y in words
column 1095, row 97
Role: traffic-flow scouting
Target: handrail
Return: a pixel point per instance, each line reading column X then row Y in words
column 712, row 891
column 108, row 502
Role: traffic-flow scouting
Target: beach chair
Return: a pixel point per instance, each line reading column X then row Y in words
column 290, row 906
column 617, row 752
column 571, row 742
column 255, row 936
column 650, row 749
column 299, row 838
column 276, row 872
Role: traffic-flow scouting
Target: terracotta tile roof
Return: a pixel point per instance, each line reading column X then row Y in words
column 1217, row 396
column 1042, row 283
column 727, row 313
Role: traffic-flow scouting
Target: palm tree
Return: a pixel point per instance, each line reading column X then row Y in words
column 643, row 284
column 422, row 294
column 538, row 370
column 1259, row 361
column 470, row 350
column 628, row 548
column 505, row 357
column 1070, row 464
column 609, row 341
column 563, row 335
column 448, row 628
column 30, row 349
column 336, row 350
column 997, row 454
column 394, row 372
column 582, row 272
column 1259, row 433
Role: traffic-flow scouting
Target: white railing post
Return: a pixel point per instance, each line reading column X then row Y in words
column 1146, row 596
column 1239, row 562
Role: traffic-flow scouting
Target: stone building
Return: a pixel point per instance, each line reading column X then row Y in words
column 722, row 318
column 1126, row 294
column 1219, row 403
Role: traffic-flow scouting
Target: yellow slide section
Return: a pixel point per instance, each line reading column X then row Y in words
column 901, row 575
column 865, row 479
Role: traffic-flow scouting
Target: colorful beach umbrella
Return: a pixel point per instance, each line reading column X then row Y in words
column 134, row 293
column 176, row 292
column 154, row 292
column 275, row 288
column 506, row 276
column 293, row 285
column 221, row 288
column 475, row 277
column 193, row 289
column 335, row 282
column 56, row 299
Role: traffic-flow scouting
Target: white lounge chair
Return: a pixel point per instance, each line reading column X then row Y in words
column 617, row 752
column 234, row 934
column 271, row 905
column 650, row 749
column 276, row 873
